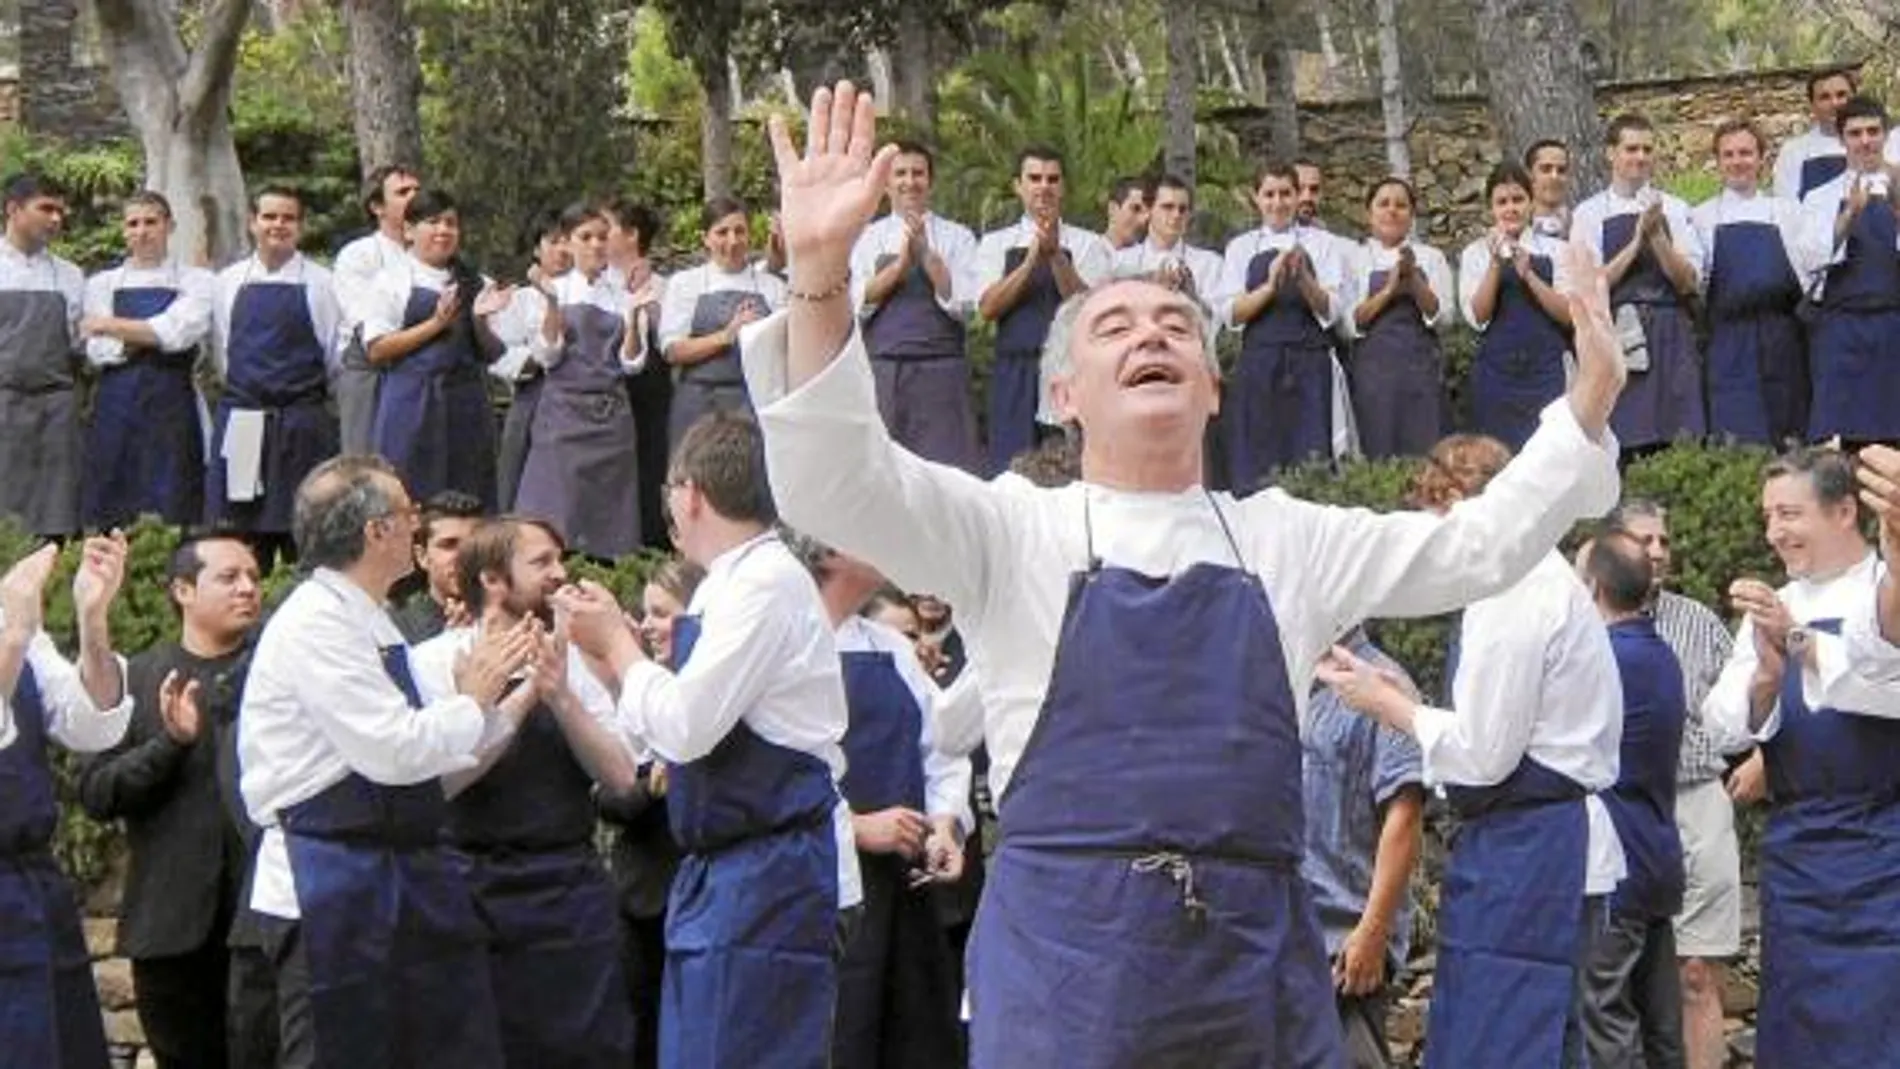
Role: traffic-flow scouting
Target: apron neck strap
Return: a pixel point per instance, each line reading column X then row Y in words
column 1226, row 530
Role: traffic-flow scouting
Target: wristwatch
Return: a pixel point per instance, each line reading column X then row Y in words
column 1798, row 639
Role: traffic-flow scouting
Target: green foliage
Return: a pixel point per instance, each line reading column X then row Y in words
column 291, row 118
column 659, row 83
column 96, row 178
column 1693, row 187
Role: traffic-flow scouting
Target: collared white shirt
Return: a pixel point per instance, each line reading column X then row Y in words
column 319, row 295
column 1145, row 257
column 684, row 290
column 1372, row 255
column 950, row 240
column 318, row 705
column 1586, row 224
column 43, row 272
column 765, row 656
column 1476, row 259
column 606, row 291
column 1892, row 152
column 73, row 719
column 1331, row 259
column 185, row 323
column 1003, row 552
column 433, row 664
column 1822, row 207
column 359, row 269
column 1806, row 247
column 1869, row 654
column 946, row 777
column 518, row 328
column 1088, row 252
column 958, row 708
column 1536, row 678
column 384, row 304
column 1797, row 151
column 1833, row 681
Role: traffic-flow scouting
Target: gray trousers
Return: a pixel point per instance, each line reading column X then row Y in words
column 1633, row 1003
column 1362, row 1019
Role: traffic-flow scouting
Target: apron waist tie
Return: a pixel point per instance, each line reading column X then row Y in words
column 1174, row 864
column 1180, row 869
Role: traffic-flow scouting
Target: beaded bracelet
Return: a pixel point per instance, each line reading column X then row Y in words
column 836, row 290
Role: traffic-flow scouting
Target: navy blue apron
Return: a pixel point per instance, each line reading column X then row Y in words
column 1016, row 377
column 584, row 439
column 524, row 834
column 716, row 384
column 897, row 991
column 1830, row 887
column 1855, row 348
column 752, row 920
column 398, row 970
column 1758, row 351
column 1398, row 380
column 922, row 372
column 1519, row 365
column 49, row 1009
column 433, row 420
column 1145, row 905
column 1278, row 411
column 1642, row 805
column 145, row 451
column 1665, row 402
column 1817, row 171
column 274, row 362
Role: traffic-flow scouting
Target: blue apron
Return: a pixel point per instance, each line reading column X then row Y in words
column 922, row 372
column 1278, row 411
column 751, row 924
column 716, row 384
column 145, row 450
column 1830, row 888
column 1519, row 365
column 1817, row 171
column 524, row 835
column 398, row 971
column 897, row 991
column 1133, row 918
column 1016, row 377
column 1398, row 380
column 433, row 420
column 1642, row 805
column 274, row 362
column 49, row 1009
column 583, row 439
column 1855, row 348
column 1665, row 402
column 1758, row 351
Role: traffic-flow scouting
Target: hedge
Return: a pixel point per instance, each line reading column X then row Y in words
column 1710, row 492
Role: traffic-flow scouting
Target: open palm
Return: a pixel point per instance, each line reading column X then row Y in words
column 1598, row 345
column 827, row 195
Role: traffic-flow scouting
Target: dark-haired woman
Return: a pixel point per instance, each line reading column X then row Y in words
column 1508, row 289
column 1404, row 288
column 430, row 339
column 703, row 311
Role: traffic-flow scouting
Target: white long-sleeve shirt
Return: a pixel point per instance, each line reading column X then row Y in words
column 959, row 713
column 359, row 269
column 1536, row 678
column 948, row 239
column 1833, row 681
column 1371, row 256
column 1003, row 552
column 1586, row 223
column 1797, row 151
column 946, row 777
column 518, row 328
column 319, row 705
column 1869, row 654
column 1145, row 258
column 1821, row 208
column 319, row 296
column 73, row 719
column 684, row 290
column 1476, row 259
column 1806, row 246
column 185, row 323
column 1331, row 258
column 765, row 656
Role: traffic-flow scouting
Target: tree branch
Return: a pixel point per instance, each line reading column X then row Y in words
column 214, row 61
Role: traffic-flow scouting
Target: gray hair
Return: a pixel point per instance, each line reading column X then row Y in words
column 1635, row 508
column 335, row 502
column 1055, row 348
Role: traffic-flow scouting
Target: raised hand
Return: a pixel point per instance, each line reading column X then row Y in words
column 101, row 573
column 828, row 194
column 1879, row 474
column 447, row 306
column 484, row 672
column 493, row 299
column 1765, row 610
column 1601, row 371
column 550, row 665
column 178, row 708
column 23, row 589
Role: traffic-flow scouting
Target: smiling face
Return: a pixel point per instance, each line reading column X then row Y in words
column 1633, row 157
column 729, row 241
column 1550, row 176
column 276, row 226
column 1810, row 536
column 910, row 183
column 1738, row 157
column 1039, row 186
column 1390, row 214
column 587, row 246
column 1137, row 365
column 1277, row 197
column 1865, row 137
column 1510, row 207
column 658, row 609
column 435, row 240
column 1828, row 96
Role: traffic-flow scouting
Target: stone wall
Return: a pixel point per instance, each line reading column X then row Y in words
column 1454, row 145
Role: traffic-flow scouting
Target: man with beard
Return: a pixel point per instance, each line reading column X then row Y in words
column 188, row 857
column 1816, row 157
column 448, row 519
column 1548, row 162
column 522, row 820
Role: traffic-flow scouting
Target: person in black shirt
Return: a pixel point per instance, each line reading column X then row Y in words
column 435, row 603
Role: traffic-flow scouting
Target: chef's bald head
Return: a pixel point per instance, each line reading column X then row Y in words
column 337, row 502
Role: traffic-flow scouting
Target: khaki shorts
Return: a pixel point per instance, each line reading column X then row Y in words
column 1710, row 924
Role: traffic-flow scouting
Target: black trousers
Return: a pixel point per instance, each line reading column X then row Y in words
column 643, row 960
column 181, row 1006
column 1633, row 1019
column 897, row 994
column 251, row 1010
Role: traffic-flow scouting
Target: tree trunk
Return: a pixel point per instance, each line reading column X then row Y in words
column 915, row 65
column 1533, row 60
column 1398, row 154
column 59, row 94
column 385, row 83
column 179, row 103
column 1277, row 71
column 715, row 134
column 1184, row 75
